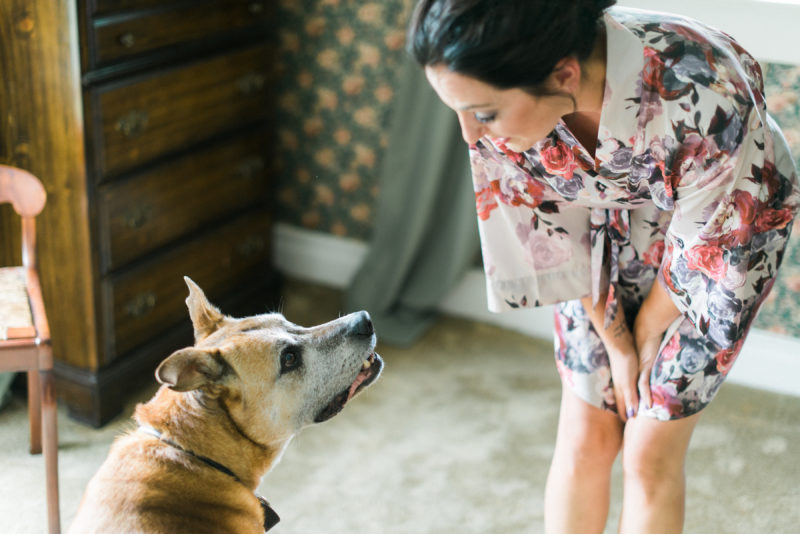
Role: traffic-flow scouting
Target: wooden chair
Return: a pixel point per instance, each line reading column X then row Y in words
column 25, row 339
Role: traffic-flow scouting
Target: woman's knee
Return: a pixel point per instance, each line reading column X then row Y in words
column 654, row 452
column 589, row 437
column 647, row 469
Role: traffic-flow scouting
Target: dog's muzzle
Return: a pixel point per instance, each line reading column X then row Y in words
column 370, row 370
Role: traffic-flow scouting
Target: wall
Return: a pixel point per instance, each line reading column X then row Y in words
column 340, row 60
column 781, row 310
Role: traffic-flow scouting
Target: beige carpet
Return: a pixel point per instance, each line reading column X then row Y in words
column 455, row 438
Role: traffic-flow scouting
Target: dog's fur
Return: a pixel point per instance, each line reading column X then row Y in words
column 237, row 397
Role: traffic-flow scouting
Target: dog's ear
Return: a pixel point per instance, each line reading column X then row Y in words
column 205, row 317
column 190, row 368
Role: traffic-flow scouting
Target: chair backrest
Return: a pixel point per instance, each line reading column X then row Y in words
column 23, row 190
column 27, row 196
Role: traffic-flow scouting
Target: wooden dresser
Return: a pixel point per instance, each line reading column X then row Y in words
column 149, row 121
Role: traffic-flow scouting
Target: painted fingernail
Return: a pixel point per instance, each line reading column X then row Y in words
column 629, row 412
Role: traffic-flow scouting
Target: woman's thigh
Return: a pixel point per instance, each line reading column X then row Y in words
column 581, row 357
column 687, row 373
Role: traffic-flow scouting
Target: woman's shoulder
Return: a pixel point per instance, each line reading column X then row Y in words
column 659, row 30
column 691, row 64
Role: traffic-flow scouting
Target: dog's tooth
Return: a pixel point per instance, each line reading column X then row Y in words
column 365, row 365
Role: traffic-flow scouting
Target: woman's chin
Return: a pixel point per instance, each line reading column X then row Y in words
column 518, row 146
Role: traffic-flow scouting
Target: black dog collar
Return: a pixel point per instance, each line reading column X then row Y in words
column 271, row 518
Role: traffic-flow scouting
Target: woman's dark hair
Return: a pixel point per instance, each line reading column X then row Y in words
column 504, row 43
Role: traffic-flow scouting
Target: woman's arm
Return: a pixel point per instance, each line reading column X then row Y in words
column 622, row 355
column 655, row 315
column 658, row 311
column 632, row 355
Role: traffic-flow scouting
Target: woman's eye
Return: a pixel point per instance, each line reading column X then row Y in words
column 485, row 117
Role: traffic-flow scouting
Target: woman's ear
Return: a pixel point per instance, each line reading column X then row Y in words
column 566, row 75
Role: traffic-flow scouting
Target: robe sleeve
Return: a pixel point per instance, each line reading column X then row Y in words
column 732, row 213
column 535, row 246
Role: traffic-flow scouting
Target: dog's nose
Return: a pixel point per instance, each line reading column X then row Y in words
column 362, row 324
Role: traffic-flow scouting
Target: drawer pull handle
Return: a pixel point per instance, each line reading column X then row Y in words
column 137, row 217
column 127, row 40
column 250, row 167
column 251, row 246
column 255, row 7
column 251, row 83
column 132, row 124
column 141, row 304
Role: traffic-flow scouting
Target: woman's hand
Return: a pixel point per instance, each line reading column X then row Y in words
column 654, row 317
column 622, row 356
column 647, row 343
column 624, row 362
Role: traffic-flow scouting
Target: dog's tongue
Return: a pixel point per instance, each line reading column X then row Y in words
column 357, row 382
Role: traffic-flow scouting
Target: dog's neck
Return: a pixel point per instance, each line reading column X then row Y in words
column 208, row 461
column 206, row 428
column 271, row 518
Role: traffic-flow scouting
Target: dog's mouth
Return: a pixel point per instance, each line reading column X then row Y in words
column 370, row 369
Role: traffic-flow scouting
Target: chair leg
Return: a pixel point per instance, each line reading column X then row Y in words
column 50, row 435
column 35, row 411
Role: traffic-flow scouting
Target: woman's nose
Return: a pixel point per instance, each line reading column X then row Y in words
column 471, row 130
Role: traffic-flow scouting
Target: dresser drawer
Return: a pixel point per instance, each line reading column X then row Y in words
column 142, row 119
column 105, row 7
column 143, row 213
column 150, row 299
column 108, row 7
column 118, row 37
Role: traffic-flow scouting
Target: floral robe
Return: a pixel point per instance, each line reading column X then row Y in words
column 691, row 185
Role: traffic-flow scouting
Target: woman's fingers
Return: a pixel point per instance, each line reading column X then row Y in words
column 624, row 372
column 626, row 403
column 620, row 398
column 644, row 386
column 648, row 341
column 647, row 356
column 631, row 402
column 631, row 394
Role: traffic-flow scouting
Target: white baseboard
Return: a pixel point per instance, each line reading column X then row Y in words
column 316, row 256
column 468, row 299
column 768, row 361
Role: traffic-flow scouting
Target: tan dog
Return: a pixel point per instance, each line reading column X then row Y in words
column 226, row 411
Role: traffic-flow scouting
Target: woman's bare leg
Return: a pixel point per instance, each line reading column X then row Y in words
column 579, row 483
column 654, row 453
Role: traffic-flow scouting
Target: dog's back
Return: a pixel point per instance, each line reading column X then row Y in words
column 145, row 487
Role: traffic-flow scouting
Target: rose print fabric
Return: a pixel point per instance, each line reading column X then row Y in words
column 691, row 186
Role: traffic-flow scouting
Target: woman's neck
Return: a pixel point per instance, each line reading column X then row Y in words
column 584, row 122
column 593, row 80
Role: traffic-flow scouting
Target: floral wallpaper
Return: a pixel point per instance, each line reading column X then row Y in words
column 339, row 62
column 781, row 311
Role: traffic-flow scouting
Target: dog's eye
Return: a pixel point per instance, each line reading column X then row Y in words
column 290, row 360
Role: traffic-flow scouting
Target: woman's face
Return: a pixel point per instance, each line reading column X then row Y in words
column 516, row 117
